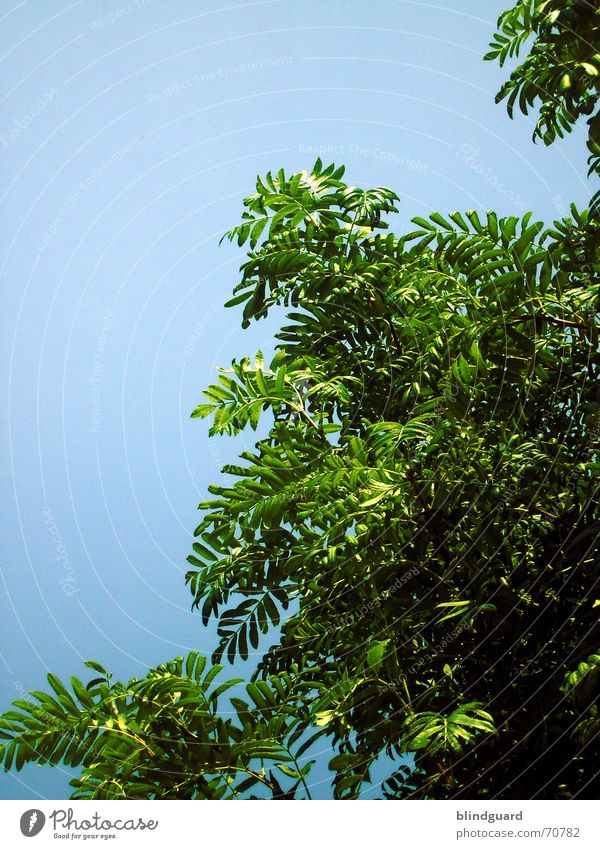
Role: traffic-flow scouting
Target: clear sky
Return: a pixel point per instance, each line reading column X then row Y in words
column 130, row 131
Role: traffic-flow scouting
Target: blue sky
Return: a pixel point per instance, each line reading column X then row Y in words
column 130, row 132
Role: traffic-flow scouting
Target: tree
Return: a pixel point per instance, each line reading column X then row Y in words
column 561, row 73
column 162, row 737
column 423, row 507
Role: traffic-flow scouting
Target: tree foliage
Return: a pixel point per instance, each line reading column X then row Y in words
column 425, row 500
column 164, row 736
column 412, row 549
column 561, row 73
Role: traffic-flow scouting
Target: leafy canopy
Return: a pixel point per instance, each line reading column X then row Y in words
column 561, row 73
column 163, row 736
column 424, row 502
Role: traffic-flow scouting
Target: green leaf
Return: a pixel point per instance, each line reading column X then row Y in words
column 376, row 653
column 97, row 667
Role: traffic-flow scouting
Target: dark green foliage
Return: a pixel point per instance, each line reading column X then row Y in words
column 561, row 73
column 163, row 736
column 426, row 500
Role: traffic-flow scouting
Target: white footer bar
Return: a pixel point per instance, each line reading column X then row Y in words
column 295, row 825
